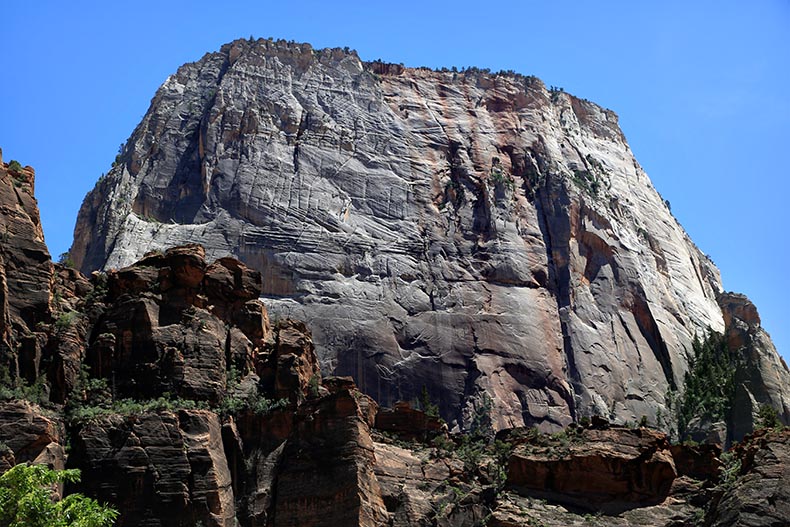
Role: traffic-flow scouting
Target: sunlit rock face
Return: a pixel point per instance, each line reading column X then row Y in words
column 467, row 232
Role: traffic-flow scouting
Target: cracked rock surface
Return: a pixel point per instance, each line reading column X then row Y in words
column 467, row 232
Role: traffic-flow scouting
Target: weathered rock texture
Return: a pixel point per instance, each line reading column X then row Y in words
column 611, row 469
column 762, row 378
column 165, row 469
column 31, row 436
column 26, row 276
column 759, row 492
column 468, row 232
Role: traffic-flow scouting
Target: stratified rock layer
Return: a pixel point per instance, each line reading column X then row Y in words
column 226, row 453
column 466, row 232
column 602, row 468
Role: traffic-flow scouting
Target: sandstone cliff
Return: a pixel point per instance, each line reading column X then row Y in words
column 468, row 232
column 26, row 274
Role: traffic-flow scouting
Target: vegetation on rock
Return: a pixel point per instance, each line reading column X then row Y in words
column 708, row 386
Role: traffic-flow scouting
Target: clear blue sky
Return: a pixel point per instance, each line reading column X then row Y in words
column 701, row 89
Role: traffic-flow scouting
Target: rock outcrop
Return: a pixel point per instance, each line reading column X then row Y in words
column 166, row 468
column 611, row 469
column 757, row 492
column 468, row 232
column 762, row 377
column 26, row 276
column 31, row 436
column 184, row 405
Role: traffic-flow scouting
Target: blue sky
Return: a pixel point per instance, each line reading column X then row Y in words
column 701, row 89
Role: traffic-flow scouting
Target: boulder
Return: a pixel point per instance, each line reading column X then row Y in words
column 31, row 434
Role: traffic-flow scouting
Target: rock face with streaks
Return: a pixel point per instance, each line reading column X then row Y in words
column 762, row 379
column 166, row 468
column 467, row 232
column 26, row 275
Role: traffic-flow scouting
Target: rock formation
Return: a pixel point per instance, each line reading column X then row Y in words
column 757, row 491
column 26, row 275
column 468, row 232
column 619, row 469
column 183, row 405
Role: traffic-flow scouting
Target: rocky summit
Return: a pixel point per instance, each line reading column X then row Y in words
column 473, row 234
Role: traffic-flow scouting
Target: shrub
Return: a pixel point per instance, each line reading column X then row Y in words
column 730, row 469
column 313, row 386
column 35, row 393
column 426, row 405
column 767, row 417
column 65, row 259
column 257, row 404
column 587, row 181
column 26, row 500
column 65, row 320
column 14, row 166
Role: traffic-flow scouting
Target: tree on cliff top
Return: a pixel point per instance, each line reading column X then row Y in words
column 26, row 500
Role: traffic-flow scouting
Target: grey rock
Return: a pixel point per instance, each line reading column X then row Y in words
column 473, row 233
column 757, row 492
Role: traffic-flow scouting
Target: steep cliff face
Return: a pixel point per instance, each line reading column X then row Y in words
column 26, row 275
column 465, row 232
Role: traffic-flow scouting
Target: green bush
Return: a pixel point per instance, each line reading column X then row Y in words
column 768, row 417
column 86, row 413
column 65, row 259
column 426, row 405
column 587, row 181
column 257, row 404
column 730, row 469
column 65, row 320
column 26, row 500
column 14, row 166
column 35, row 393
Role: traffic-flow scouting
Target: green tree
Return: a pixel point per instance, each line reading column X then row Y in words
column 709, row 385
column 26, row 500
column 426, row 405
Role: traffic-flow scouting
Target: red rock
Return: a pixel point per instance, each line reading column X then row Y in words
column 758, row 493
column 409, row 423
column 699, row 461
column 604, row 469
column 158, row 469
column 325, row 476
column 297, row 374
column 30, row 434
